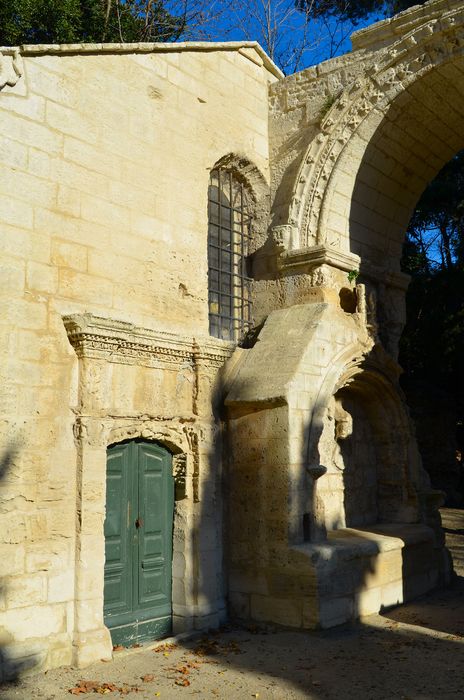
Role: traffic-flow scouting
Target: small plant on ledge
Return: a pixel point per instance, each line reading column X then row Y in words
column 353, row 276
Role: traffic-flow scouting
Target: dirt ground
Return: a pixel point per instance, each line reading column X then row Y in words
column 415, row 652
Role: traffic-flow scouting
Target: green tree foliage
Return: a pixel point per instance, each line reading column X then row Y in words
column 70, row 21
column 433, row 340
column 355, row 10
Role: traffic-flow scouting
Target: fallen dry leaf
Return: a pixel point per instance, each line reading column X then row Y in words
column 85, row 687
column 148, row 678
column 101, row 688
column 169, row 646
column 183, row 681
column 211, row 647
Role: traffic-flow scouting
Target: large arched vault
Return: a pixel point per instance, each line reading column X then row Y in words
column 392, row 116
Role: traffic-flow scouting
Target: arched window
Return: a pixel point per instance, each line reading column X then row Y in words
column 229, row 229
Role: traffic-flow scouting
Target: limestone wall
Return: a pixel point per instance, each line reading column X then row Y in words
column 104, row 159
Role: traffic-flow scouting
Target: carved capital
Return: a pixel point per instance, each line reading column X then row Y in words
column 91, row 432
column 284, row 237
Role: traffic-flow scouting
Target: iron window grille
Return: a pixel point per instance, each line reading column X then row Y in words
column 229, row 231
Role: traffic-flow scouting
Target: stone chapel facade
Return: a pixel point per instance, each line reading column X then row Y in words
column 202, row 301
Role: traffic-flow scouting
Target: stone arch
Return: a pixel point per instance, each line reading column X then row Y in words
column 369, row 381
column 172, row 440
column 410, row 80
column 382, row 471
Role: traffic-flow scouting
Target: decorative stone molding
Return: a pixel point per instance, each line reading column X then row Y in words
column 247, row 49
column 124, row 343
column 10, row 69
column 306, row 259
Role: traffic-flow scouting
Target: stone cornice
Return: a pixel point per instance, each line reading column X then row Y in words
column 124, row 343
column 249, row 49
column 305, row 259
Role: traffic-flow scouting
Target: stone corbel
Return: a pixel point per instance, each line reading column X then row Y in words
column 10, row 69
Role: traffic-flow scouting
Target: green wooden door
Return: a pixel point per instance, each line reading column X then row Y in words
column 138, row 542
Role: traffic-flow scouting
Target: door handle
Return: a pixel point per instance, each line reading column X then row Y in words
column 138, row 523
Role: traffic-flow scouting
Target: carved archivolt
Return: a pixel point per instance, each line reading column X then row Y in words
column 426, row 46
column 10, row 70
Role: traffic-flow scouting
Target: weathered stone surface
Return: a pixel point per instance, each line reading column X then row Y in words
column 296, row 448
column 91, row 235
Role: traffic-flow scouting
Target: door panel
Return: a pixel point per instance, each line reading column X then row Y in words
column 156, row 501
column 118, row 579
column 138, row 541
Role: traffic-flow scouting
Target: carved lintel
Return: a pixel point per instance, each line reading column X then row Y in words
column 121, row 342
column 10, row 70
column 212, row 354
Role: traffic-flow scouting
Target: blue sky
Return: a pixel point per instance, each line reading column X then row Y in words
column 282, row 31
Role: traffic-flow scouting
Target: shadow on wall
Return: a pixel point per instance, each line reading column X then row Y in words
column 330, row 513
column 369, row 659
column 444, row 611
column 365, row 661
column 11, row 668
column 383, row 515
column 380, row 660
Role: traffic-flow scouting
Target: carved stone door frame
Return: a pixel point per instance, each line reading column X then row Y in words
column 99, row 345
